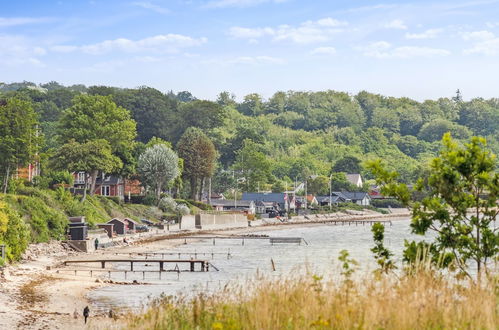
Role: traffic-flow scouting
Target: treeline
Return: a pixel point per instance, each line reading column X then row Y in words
column 266, row 144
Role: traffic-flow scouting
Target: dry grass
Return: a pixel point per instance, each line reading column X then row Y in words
column 30, row 294
column 422, row 301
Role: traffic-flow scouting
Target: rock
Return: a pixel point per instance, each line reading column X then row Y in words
column 98, row 280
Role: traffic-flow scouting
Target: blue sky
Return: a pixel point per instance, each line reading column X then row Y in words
column 418, row 49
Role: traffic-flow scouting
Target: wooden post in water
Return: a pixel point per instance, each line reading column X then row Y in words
column 192, row 266
column 273, row 265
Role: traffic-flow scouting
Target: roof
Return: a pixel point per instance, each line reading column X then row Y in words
column 355, row 196
column 108, row 180
column 265, row 197
column 231, row 203
column 130, row 220
column 115, row 219
column 354, row 178
column 325, row 199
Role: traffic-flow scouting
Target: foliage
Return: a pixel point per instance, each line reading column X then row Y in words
column 158, row 166
column 348, row 164
column 460, row 204
column 199, row 155
column 381, row 253
column 13, row 232
column 19, row 140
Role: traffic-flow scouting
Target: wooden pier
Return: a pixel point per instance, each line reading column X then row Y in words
column 191, row 254
column 204, row 264
column 243, row 238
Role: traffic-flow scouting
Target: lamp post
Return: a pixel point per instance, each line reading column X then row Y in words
column 330, row 192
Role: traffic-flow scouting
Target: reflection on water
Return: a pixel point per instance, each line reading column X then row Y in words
column 325, row 243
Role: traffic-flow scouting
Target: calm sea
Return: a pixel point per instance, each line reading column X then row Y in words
column 320, row 257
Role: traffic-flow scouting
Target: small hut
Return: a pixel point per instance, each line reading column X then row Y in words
column 120, row 226
column 132, row 225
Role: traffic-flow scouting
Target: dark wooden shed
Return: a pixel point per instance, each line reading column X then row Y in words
column 120, row 227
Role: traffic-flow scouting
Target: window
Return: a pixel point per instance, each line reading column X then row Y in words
column 80, row 177
column 105, row 191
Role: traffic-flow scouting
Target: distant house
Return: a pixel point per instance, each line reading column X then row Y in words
column 300, row 201
column 267, row 207
column 28, row 173
column 217, row 196
column 133, row 187
column 283, row 200
column 360, row 198
column 355, row 179
column 105, row 185
column 330, row 200
column 231, row 205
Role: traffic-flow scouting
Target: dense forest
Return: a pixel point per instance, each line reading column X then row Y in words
column 265, row 143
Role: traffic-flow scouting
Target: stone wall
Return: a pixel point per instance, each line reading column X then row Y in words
column 227, row 220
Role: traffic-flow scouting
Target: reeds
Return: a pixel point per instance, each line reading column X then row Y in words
column 420, row 300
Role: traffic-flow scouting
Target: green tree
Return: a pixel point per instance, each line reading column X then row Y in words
column 252, row 105
column 253, row 166
column 19, row 138
column 92, row 157
column 434, row 130
column 347, row 164
column 381, row 253
column 95, row 117
column 199, row 155
column 158, row 165
column 460, row 204
column 318, row 185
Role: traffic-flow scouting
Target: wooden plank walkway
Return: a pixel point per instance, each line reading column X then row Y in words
column 204, row 264
column 243, row 238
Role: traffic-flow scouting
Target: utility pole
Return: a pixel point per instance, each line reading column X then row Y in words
column 330, row 192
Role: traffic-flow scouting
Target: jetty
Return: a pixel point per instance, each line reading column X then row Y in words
column 271, row 240
column 203, row 264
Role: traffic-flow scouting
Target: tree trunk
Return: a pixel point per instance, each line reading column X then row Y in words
column 193, row 188
column 158, row 191
column 85, row 189
column 93, row 179
column 201, row 189
column 209, row 190
column 6, row 180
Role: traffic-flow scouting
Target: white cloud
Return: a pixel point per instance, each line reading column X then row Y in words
column 238, row 3
column 165, row 43
column 384, row 50
column 478, row 35
column 151, row 6
column 256, row 60
column 307, row 32
column 323, row 51
column 397, row 24
column 428, row 34
column 14, row 21
column 17, row 50
column 485, row 43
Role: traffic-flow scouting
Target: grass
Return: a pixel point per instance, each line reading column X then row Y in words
column 425, row 300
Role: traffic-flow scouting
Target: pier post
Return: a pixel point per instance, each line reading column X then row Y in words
column 131, row 266
column 192, row 266
column 103, row 264
column 161, row 266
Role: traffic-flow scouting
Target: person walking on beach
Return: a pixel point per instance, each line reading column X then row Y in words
column 86, row 313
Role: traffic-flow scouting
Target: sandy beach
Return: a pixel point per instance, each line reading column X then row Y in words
column 35, row 295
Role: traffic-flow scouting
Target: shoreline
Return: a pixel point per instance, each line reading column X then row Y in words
column 56, row 296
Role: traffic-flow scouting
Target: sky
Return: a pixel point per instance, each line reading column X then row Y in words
column 417, row 49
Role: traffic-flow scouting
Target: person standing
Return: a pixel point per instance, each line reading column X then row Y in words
column 96, row 242
column 86, row 313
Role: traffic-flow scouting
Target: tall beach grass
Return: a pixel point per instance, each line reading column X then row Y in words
column 422, row 299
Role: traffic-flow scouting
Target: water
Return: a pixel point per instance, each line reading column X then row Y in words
column 319, row 257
